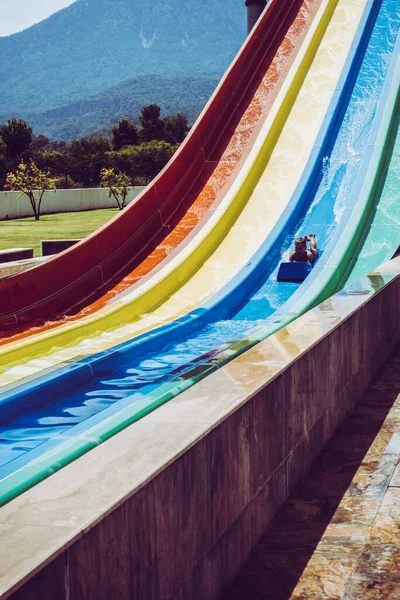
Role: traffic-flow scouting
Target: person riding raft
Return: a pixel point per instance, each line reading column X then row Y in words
column 301, row 252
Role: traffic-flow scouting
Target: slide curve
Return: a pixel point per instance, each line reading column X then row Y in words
column 123, row 245
column 260, row 213
column 376, row 78
column 23, row 393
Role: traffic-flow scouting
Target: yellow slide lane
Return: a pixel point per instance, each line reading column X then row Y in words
column 238, row 227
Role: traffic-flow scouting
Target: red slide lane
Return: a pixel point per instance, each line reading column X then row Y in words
column 131, row 236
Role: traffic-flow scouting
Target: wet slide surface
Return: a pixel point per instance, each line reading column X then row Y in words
column 47, row 427
column 285, row 158
column 195, row 195
column 127, row 387
column 381, row 237
column 134, row 388
column 344, row 168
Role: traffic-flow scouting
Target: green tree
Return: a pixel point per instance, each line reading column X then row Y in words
column 118, row 185
column 143, row 162
column 61, row 145
column 59, row 162
column 125, row 133
column 152, row 157
column 123, row 160
column 175, row 128
column 17, row 136
column 152, row 125
column 39, row 142
column 3, row 163
column 31, row 181
column 88, row 156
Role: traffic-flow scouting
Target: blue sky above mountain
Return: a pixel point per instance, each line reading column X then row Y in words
column 94, row 44
column 16, row 15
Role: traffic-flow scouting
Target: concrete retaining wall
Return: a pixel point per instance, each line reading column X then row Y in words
column 18, row 266
column 60, row 201
column 171, row 507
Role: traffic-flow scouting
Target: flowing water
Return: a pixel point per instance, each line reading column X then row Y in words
column 134, row 378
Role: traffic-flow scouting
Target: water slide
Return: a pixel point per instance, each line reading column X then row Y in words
column 124, row 389
column 380, row 238
column 137, row 240
column 216, row 177
column 208, row 261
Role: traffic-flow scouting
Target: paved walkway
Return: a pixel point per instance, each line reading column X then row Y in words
column 339, row 536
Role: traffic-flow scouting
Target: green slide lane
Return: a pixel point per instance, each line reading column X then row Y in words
column 381, row 237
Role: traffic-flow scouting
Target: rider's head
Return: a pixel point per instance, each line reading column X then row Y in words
column 300, row 244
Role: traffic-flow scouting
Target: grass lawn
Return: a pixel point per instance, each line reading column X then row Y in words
column 27, row 233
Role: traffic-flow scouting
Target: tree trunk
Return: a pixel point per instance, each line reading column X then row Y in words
column 33, row 204
column 40, row 203
column 115, row 194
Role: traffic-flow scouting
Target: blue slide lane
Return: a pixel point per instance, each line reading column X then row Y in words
column 35, row 419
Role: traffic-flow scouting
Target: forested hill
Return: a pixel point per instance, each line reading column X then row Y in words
column 93, row 45
column 173, row 94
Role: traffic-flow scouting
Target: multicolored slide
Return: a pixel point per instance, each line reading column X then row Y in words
column 261, row 190
column 343, row 90
column 137, row 240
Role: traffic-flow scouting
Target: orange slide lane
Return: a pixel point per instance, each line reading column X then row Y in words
column 226, row 161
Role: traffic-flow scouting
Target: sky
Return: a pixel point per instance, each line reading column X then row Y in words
column 16, row 15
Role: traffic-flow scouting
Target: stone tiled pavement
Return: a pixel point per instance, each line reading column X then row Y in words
column 339, row 536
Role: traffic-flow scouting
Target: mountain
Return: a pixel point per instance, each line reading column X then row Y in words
column 173, row 94
column 93, row 45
